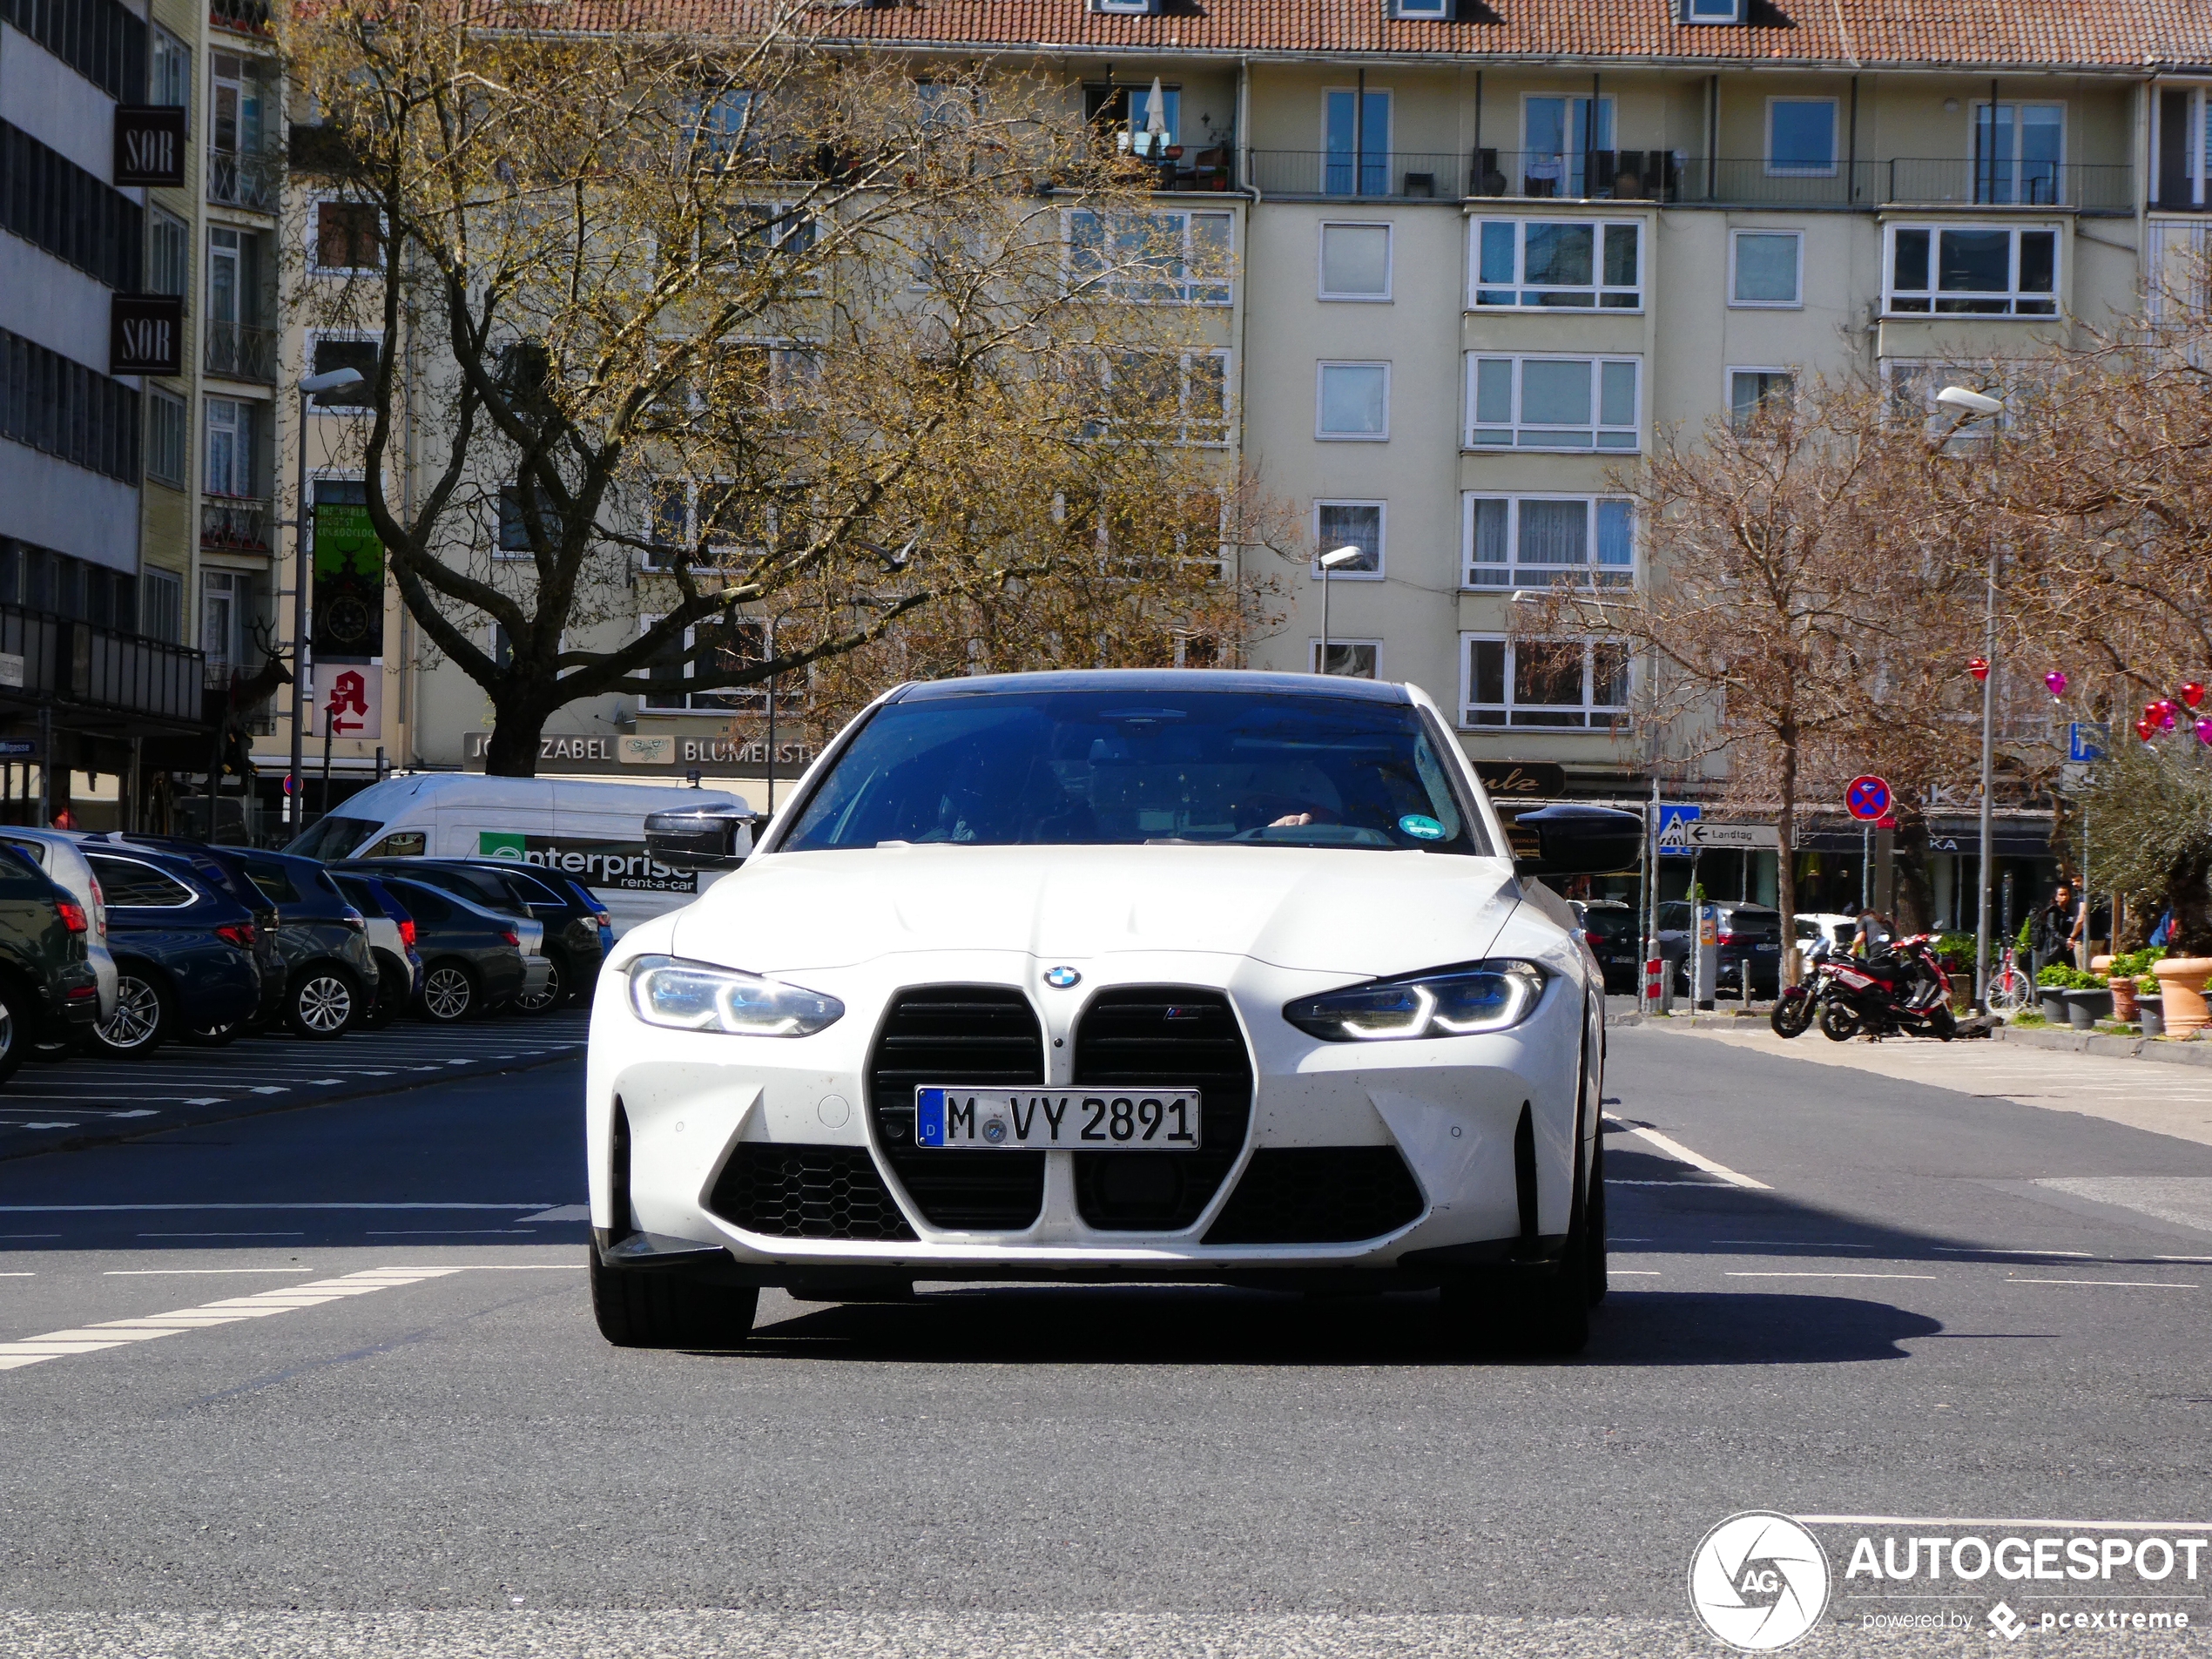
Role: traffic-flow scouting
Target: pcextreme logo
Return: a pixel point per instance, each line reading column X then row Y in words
column 1759, row 1581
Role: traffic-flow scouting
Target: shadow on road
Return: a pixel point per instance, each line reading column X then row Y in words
column 1188, row 1325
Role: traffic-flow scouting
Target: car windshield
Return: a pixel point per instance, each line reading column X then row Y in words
column 334, row 837
column 1110, row 767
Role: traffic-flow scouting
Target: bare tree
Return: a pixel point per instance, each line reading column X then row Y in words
column 775, row 333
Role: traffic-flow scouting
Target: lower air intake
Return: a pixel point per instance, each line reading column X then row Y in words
column 1321, row 1195
column 807, row 1192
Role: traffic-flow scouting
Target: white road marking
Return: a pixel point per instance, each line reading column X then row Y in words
column 107, row 1209
column 1635, row 1273
column 1929, row 1277
column 1696, row 1160
column 561, row 1212
column 2003, row 1520
column 2182, row 1259
column 166, row 1272
column 18, row 1276
column 1795, row 1244
column 1992, row 1250
column 222, row 1235
column 2127, row 1283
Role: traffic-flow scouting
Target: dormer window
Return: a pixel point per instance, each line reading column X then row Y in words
column 1126, row 8
column 1433, row 10
column 1713, row 11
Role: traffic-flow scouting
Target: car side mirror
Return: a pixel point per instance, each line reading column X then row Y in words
column 701, row 838
column 1571, row 840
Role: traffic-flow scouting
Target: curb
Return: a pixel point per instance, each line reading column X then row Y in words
column 264, row 1107
column 2112, row 1048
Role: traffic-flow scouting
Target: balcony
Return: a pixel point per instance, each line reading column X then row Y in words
column 65, row 660
column 251, row 18
column 245, row 178
column 240, row 351
column 1675, row 179
column 236, row 523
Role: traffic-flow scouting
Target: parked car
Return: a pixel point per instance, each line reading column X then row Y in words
column 185, row 950
column 218, row 867
column 57, row 853
column 1610, row 928
column 1750, row 937
column 474, row 959
column 48, row 992
column 1815, row 925
column 577, row 930
column 392, row 940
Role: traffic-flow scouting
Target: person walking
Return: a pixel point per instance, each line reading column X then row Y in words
column 2056, row 927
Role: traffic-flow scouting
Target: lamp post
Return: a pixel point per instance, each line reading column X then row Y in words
column 1977, row 403
column 338, row 380
column 1336, row 558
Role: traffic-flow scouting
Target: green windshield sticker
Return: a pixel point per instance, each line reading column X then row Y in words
column 1421, row 827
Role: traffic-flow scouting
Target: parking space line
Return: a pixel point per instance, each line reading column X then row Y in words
column 1931, row 1277
column 1696, row 1160
column 2125, row 1284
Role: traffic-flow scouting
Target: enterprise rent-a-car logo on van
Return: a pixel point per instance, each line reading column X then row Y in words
column 623, row 866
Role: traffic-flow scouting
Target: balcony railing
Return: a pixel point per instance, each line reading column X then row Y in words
column 242, row 17
column 244, row 179
column 102, row 668
column 1669, row 177
column 240, row 351
column 235, row 523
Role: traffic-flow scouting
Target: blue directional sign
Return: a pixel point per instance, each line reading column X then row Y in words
column 1675, row 819
column 2086, row 740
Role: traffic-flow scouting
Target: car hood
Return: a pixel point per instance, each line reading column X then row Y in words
column 1333, row 909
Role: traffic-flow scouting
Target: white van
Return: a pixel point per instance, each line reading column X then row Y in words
column 593, row 832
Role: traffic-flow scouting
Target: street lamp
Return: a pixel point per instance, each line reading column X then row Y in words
column 1971, row 403
column 1333, row 560
column 338, row 380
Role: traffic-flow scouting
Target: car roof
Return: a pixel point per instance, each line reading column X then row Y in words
column 1156, row 679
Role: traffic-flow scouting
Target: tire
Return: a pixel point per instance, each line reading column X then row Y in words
column 1942, row 1025
column 1838, row 1022
column 392, row 979
column 322, row 1003
column 15, row 1031
column 1792, row 1016
column 1595, row 1252
column 449, row 993
column 2008, row 992
column 555, row 994
column 143, row 1018
column 216, row 1036
column 652, row 1308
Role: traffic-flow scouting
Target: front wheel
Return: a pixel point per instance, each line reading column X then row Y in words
column 140, row 1020
column 15, row 1031
column 556, row 991
column 666, row 1308
column 216, row 1036
column 321, row 1003
column 1792, row 1014
column 392, row 981
column 2008, row 991
column 448, row 993
column 1838, row 1021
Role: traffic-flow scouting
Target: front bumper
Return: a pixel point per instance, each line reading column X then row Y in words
column 783, row 1155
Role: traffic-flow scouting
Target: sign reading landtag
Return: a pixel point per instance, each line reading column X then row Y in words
column 1703, row 835
column 1675, row 819
column 1867, row 798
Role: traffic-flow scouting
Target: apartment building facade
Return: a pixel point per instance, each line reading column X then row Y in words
column 1482, row 252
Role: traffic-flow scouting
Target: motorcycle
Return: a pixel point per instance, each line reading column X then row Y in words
column 1903, row 991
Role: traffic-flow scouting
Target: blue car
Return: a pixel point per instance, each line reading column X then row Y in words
column 184, row 951
column 392, row 940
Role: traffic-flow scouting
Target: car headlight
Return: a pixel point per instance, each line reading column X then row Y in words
column 695, row 997
column 1447, row 1002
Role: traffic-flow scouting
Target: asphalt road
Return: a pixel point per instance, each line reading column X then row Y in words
column 388, row 1426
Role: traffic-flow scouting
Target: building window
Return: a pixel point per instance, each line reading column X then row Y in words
column 514, row 528
column 1534, row 263
column 1712, row 11
column 1359, row 659
column 168, row 253
column 722, row 126
column 1766, row 269
column 236, row 103
column 1551, row 403
column 1352, row 402
column 227, row 612
column 1355, row 142
column 52, row 202
column 1140, row 126
column 2018, row 150
column 1541, row 541
column 1180, row 397
column 54, row 404
column 2182, row 167
column 1350, row 524
column 1749, row 389
column 1163, row 257
column 161, row 605
column 1559, row 136
column 168, row 438
column 168, row 69
column 345, row 237
column 229, row 428
column 1542, row 682
column 1971, row 271
column 329, row 352
column 721, row 647
column 1355, row 261
column 1801, row 137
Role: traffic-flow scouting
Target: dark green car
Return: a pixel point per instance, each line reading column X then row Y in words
column 48, row 991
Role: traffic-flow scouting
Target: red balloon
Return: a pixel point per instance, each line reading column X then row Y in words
column 1978, row 667
column 2193, row 693
column 2146, row 730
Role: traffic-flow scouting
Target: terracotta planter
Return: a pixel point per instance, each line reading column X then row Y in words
column 2181, row 985
column 2123, row 1000
column 2100, row 964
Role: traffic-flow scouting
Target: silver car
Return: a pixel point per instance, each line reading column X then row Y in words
column 57, row 853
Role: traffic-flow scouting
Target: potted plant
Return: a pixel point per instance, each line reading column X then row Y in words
column 2087, row 1001
column 2150, row 1008
column 2152, row 803
column 2051, row 986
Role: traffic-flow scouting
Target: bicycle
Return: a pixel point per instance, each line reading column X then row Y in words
column 2010, row 989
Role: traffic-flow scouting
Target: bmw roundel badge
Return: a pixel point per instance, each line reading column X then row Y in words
column 1060, row 978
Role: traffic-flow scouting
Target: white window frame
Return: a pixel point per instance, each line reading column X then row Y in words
column 242, row 432
column 1531, row 438
column 1135, row 289
column 1423, row 10
column 164, row 405
column 1936, row 373
column 1382, row 538
column 164, row 226
column 2196, row 143
column 1608, row 118
column 1320, row 375
column 1978, row 123
column 1595, row 717
column 1598, row 289
column 1513, row 574
column 1736, row 234
column 1734, row 13
column 1806, row 169
column 157, row 580
column 315, row 205
column 2013, row 297
column 1390, row 261
column 1183, row 418
column 1729, row 375
column 752, row 696
column 345, row 336
column 162, row 45
column 1338, row 641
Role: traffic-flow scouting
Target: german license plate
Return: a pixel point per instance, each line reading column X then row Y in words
column 999, row 1119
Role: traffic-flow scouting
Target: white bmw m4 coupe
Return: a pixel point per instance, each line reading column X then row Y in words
column 1114, row 976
